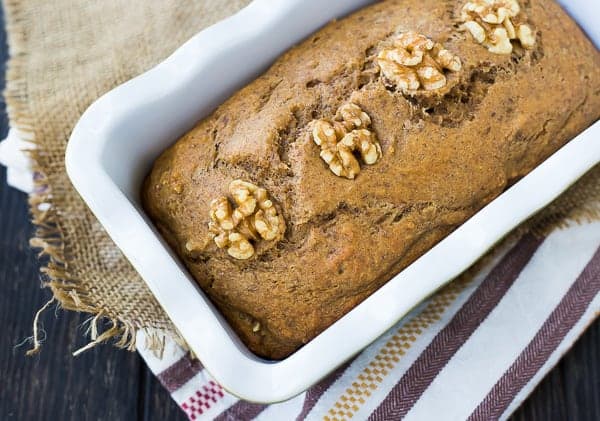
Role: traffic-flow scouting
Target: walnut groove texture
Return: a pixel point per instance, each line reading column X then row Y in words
column 445, row 155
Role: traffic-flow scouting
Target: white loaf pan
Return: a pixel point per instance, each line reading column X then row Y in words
column 119, row 136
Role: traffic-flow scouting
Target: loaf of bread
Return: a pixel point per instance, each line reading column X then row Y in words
column 360, row 149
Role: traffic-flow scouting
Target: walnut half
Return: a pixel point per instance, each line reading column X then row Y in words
column 253, row 218
column 416, row 62
column 494, row 23
column 344, row 135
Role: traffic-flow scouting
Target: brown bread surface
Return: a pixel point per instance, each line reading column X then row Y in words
column 445, row 156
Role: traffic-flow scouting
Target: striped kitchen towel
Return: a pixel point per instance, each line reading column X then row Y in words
column 475, row 350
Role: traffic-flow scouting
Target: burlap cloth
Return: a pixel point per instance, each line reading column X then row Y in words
column 64, row 55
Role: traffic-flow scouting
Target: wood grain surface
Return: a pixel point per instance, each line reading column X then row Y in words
column 108, row 384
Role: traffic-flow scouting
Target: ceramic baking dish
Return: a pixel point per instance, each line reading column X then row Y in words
column 119, row 136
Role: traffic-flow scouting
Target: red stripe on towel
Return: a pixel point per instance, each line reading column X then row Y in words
column 202, row 400
column 434, row 358
column 314, row 393
column 179, row 373
column 560, row 322
column 241, row 410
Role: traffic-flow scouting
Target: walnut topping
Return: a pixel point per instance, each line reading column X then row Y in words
column 414, row 61
column 195, row 246
column 526, row 36
column 253, row 218
column 494, row 23
column 352, row 114
column 341, row 137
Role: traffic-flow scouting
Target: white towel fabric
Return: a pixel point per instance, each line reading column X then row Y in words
column 17, row 163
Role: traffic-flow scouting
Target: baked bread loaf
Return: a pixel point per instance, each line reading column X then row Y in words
column 361, row 148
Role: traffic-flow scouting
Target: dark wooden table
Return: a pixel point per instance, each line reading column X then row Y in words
column 109, row 384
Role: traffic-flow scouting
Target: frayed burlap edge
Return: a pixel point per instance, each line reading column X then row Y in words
column 48, row 236
column 580, row 203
